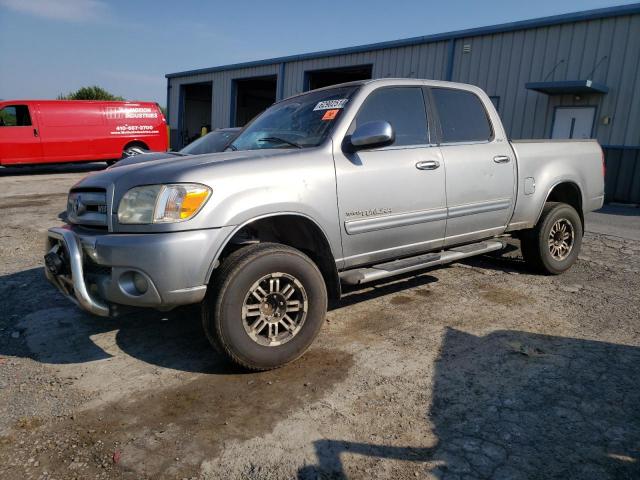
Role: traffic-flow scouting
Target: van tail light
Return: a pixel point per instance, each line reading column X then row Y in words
column 604, row 165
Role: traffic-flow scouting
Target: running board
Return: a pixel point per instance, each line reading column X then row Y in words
column 405, row 265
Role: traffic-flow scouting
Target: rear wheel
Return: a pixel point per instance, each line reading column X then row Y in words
column 134, row 149
column 553, row 245
column 266, row 306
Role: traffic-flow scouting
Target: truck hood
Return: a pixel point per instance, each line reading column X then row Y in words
column 242, row 182
column 145, row 157
column 173, row 169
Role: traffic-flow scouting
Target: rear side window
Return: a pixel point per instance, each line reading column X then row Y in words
column 403, row 108
column 463, row 117
column 15, row 116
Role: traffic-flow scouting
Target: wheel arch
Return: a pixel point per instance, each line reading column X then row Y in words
column 294, row 229
column 565, row 191
column 136, row 142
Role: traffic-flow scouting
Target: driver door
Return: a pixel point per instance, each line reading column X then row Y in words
column 389, row 204
column 19, row 136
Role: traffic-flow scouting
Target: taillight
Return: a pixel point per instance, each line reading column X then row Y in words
column 604, row 166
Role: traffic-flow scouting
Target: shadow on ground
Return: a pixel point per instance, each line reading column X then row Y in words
column 619, row 210
column 57, row 332
column 519, row 405
column 509, row 404
column 44, row 169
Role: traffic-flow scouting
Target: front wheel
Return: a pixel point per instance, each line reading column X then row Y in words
column 266, row 306
column 553, row 245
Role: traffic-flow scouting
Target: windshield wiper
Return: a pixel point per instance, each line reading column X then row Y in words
column 279, row 140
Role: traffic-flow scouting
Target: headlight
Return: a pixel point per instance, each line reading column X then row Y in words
column 162, row 203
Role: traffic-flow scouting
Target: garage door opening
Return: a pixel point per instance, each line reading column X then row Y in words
column 196, row 111
column 253, row 95
column 324, row 78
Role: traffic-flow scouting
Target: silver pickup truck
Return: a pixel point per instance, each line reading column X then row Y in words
column 339, row 186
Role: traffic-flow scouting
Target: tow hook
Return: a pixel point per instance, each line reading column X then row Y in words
column 54, row 262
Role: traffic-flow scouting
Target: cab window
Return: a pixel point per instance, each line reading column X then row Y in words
column 463, row 118
column 403, row 108
column 15, row 116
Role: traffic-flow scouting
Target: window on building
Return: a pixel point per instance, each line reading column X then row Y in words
column 463, row 118
column 403, row 108
column 15, row 116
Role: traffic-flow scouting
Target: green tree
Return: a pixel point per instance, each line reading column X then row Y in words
column 90, row 93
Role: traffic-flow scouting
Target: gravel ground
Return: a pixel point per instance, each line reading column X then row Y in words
column 478, row 370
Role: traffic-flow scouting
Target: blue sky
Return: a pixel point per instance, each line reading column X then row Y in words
column 49, row 47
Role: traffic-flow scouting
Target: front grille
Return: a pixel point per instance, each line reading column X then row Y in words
column 87, row 208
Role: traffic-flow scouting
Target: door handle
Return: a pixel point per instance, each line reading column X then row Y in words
column 428, row 165
column 501, row 159
column 35, row 132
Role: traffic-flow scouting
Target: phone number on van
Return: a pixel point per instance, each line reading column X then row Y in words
column 124, row 129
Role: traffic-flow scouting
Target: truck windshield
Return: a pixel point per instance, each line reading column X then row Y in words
column 300, row 122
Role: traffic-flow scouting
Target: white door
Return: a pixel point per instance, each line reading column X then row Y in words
column 573, row 122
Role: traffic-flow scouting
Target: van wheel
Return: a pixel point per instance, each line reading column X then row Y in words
column 134, row 149
column 553, row 245
column 266, row 306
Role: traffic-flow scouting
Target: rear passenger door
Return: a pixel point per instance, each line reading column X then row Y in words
column 19, row 136
column 389, row 205
column 480, row 167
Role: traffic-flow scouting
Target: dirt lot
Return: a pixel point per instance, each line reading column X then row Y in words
column 479, row 370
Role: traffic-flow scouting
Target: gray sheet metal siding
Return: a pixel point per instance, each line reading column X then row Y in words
column 604, row 50
column 622, row 181
column 416, row 61
column 174, row 95
column 222, row 91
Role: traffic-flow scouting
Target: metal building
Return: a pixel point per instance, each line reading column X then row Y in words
column 567, row 76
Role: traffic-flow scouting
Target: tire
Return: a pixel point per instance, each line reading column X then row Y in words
column 536, row 246
column 234, row 318
column 134, row 149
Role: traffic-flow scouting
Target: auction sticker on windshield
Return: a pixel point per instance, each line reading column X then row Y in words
column 331, row 104
column 330, row 114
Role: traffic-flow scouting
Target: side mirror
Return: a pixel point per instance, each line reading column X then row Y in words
column 372, row 134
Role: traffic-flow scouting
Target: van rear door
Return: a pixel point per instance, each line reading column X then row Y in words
column 19, row 135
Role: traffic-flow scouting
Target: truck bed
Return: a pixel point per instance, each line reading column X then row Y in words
column 543, row 164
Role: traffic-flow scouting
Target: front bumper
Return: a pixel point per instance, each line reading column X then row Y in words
column 102, row 271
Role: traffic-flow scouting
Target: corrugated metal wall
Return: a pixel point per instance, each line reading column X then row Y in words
column 417, row 61
column 622, row 181
column 605, row 50
column 222, row 91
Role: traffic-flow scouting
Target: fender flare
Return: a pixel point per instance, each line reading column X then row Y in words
column 215, row 261
column 559, row 182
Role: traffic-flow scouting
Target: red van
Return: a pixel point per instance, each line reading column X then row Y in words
column 48, row 131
